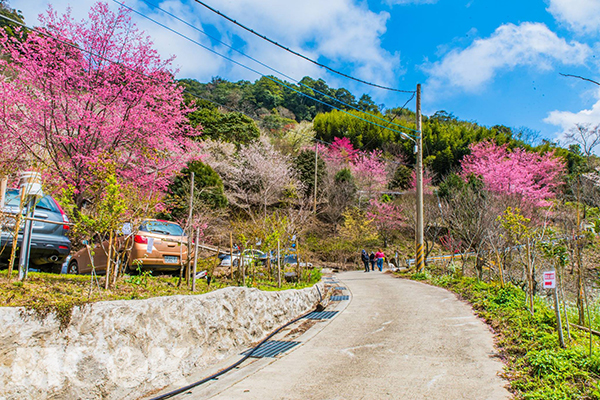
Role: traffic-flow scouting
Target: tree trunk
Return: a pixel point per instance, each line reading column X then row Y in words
column 580, row 294
column 108, row 261
column 530, row 277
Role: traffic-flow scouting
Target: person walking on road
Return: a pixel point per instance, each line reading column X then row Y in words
column 380, row 256
column 365, row 259
column 372, row 260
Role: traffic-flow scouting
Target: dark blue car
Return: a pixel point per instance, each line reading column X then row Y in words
column 50, row 245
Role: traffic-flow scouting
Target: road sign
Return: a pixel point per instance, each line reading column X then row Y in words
column 550, row 280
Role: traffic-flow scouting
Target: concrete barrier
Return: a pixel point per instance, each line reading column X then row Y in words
column 122, row 349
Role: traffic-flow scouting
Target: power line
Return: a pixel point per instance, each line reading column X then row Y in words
column 298, row 54
column 409, row 136
column 273, row 69
column 46, row 34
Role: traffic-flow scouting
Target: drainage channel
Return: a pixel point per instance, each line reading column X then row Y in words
column 271, row 349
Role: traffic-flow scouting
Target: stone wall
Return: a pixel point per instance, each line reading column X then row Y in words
column 122, row 349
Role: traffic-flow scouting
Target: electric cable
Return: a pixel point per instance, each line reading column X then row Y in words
column 234, row 365
column 298, row 54
column 270, row 68
column 411, row 137
column 46, row 34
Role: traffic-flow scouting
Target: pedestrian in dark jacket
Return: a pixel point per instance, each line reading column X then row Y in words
column 365, row 259
column 372, row 260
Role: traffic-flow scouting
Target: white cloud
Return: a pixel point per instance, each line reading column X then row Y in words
column 581, row 16
column 566, row 120
column 528, row 44
column 340, row 33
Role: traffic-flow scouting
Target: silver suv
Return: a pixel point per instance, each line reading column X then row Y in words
column 49, row 243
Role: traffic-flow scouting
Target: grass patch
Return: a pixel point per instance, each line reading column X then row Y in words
column 536, row 366
column 42, row 293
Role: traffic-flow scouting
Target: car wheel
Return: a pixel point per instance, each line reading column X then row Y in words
column 73, row 268
column 235, row 263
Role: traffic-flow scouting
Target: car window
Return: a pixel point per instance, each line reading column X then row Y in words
column 162, row 227
column 13, row 198
column 46, row 203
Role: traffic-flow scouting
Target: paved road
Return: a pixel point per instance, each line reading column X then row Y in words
column 395, row 339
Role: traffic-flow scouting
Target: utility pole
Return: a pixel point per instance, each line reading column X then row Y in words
column 420, row 261
column 316, row 164
column 190, row 230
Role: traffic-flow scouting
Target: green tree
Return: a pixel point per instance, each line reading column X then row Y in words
column 208, row 190
column 231, row 127
column 402, row 179
column 305, row 167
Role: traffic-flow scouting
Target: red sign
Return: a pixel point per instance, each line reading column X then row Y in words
column 549, row 280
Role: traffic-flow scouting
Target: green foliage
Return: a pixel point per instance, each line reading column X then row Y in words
column 107, row 214
column 11, row 13
column 358, row 229
column 402, row 179
column 141, row 278
column 208, row 190
column 420, row 276
column 344, row 175
column 266, row 94
column 305, row 167
column 275, row 123
column 517, row 225
column 454, row 185
column 231, row 127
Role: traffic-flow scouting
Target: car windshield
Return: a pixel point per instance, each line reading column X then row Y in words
column 162, row 227
column 13, row 198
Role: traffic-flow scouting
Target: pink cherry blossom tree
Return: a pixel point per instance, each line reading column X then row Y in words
column 370, row 171
column 427, row 187
column 387, row 217
column 108, row 97
column 531, row 176
column 368, row 168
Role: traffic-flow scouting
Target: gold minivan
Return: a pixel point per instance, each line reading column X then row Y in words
column 158, row 245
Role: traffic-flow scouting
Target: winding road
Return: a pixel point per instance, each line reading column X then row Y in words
column 393, row 339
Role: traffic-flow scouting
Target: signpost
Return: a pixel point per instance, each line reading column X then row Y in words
column 31, row 188
column 549, row 278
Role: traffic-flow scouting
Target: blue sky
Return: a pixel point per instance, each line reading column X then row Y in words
column 493, row 62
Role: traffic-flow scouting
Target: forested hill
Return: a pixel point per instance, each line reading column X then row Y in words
column 276, row 105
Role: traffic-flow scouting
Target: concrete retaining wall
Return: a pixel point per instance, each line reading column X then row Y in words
column 121, row 349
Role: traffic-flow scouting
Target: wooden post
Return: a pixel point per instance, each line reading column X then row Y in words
column 189, row 260
column 278, row 264
column 13, row 253
column 241, row 266
column 108, row 266
column 196, row 259
column 298, row 270
column 558, row 319
column 3, row 184
column 231, row 254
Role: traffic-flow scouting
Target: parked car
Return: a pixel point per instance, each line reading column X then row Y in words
column 49, row 244
column 249, row 256
column 292, row 259
column 166, row 253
